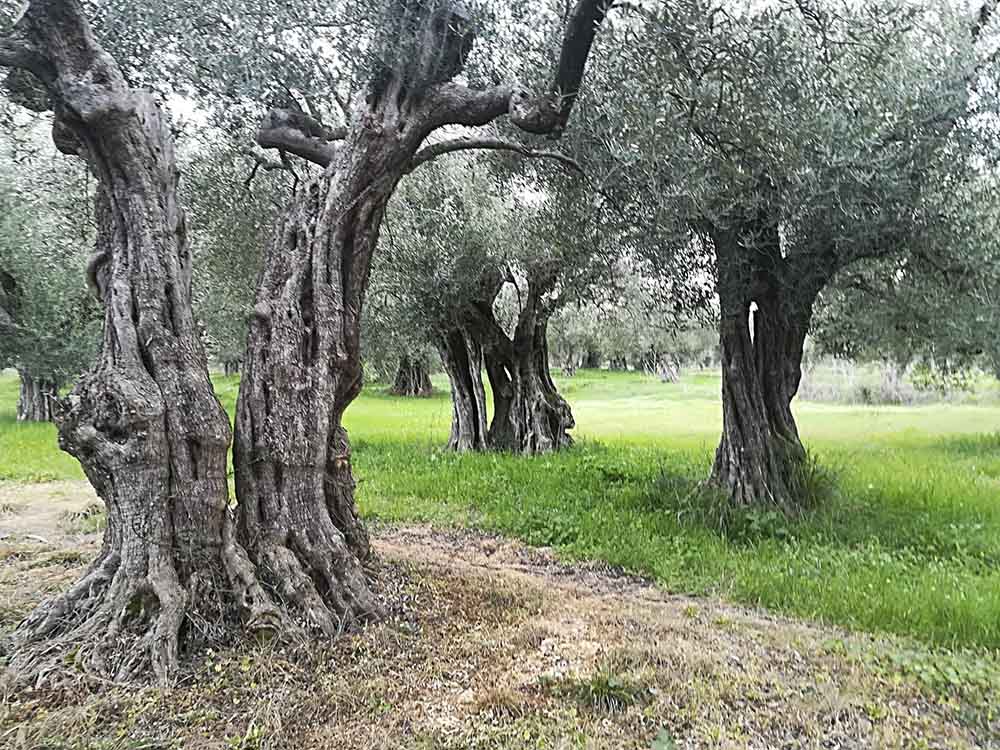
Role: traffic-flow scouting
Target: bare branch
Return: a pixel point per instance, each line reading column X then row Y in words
column 429, row 153
column 298, row 133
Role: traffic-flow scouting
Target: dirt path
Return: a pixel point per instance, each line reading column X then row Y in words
column 45, row 513
column 490, row 645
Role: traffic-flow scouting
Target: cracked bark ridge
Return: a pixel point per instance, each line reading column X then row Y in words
column 760, row 460
column 302, row 368
column 144, row 422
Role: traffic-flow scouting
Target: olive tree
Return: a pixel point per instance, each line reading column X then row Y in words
column 49, row 319
column 790, row 141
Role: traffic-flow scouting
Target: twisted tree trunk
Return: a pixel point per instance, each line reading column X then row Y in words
column 462, row 357
column 35, row 399
column 412, row 378
column 760, row 458
column 302, row 368
column 529, row 414
column 144, row 423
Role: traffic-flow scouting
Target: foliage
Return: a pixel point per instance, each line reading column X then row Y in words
column 231, row 215
column 46, row 237
column 946, row 317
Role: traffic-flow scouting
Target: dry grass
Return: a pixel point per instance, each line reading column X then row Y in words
column 492, row 645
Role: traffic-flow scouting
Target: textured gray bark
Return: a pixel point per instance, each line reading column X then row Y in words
column 302, row 367
column 144, row 422
column 35, row 399
column 462, row 357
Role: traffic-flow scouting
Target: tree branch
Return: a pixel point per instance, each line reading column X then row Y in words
column 298, row 133
column 429, row 153
column 546, row 113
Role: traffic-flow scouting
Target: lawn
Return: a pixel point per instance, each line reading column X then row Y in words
column 909, row 544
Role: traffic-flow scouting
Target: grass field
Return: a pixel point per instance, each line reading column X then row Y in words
column 909, row 544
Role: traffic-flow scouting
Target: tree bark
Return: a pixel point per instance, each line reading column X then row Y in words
column 144, row 422
column 35, row 399
column 302, row 368
column 529, row 414
column 462, row 357
column 412, row 378
column 593, row 360
column 760, row 458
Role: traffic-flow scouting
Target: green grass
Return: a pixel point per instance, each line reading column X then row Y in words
column 909, row 544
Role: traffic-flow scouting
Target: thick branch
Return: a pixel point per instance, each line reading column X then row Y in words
column 429, row 153
column 584, row 22
column 299, row 134
column 545, row 113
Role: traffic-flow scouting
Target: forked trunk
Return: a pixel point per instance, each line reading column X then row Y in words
column 760, row 458
column 529, row 414
column 35, row 399
column 144, row 422
column 593, row 360
column 462, row 357
column 412, row 378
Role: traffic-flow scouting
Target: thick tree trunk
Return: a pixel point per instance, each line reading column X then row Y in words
column 593, row 360
column 760, row 458
column 301, row 370
column 144, row 423
column 35, row 399
column 412, row 378
column 529, row 415
column 462, row 357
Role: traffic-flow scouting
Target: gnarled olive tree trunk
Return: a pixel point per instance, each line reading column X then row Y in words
column 301, row 370
column 302, row 367
column 144, row 422
column 412, row 378
column 529, row 414
column 760, row 457
column 35, row 398
column 462, row 357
